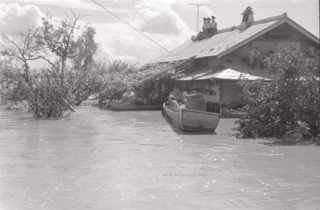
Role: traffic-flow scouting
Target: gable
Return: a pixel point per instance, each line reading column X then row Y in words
column 283, row 34
column 231, row 39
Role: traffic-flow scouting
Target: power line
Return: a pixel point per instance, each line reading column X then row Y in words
column 198, row 5
column 135, row 29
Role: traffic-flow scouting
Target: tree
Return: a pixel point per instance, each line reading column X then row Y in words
column 24, row 46
column 48, row 96
column 59, row 38
column 83, row 49
column 287, row 103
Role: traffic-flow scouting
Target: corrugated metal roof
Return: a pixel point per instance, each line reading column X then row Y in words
column 196, row 74
column 216, row 44
column 226, row 74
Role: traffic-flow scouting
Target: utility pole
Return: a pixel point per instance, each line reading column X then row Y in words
column 198, row 5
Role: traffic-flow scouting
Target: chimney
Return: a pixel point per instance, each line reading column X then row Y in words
column 247, row 18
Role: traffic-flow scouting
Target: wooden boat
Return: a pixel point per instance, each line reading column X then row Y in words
column 119, row 106
column 193, row 120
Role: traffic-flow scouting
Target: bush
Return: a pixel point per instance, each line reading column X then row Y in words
column 283, row 105
column 47, row 97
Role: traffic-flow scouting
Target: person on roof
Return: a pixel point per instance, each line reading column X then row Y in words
column 247, row 18
column 206, row 24
column 213, row 26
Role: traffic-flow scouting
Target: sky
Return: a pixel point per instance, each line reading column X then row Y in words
column 167, row 22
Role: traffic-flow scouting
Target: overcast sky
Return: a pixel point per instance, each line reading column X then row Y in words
column 168, row 22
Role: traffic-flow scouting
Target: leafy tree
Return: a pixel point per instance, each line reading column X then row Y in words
column 46, row 97
column 84, row 77
column 292, row 101
column 83, row 49
column 60, row 38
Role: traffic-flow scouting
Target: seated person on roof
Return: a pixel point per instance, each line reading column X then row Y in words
column 128, row 97
column 172, row 104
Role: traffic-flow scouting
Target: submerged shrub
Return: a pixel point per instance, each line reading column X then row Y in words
column 47, row 97
column 285, row 104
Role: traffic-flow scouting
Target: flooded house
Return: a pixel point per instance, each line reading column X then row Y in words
column 222, row 56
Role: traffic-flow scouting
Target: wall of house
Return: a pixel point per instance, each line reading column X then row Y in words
column 283, row 34
column 213, row 61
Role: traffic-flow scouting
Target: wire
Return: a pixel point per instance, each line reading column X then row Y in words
column 135, row 29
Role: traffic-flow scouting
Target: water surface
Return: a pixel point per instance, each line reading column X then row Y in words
column 100, row 159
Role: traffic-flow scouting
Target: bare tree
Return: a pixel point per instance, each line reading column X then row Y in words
column 24, row 46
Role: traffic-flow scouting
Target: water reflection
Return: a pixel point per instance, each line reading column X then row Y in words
column 134, row 160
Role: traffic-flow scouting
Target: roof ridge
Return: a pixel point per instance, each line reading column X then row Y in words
column 278, row 17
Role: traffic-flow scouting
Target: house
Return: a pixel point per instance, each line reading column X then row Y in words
column 220, row 59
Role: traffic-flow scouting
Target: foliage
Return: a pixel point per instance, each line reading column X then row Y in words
column 150, row 77
column 84, row 83
column 113, row 77
column 283, row 105
column 47, row 98
column 59, row 38
column 12, row 85
column 83, row 49
column 84, row 79
column 84, row 76
column 161, row 77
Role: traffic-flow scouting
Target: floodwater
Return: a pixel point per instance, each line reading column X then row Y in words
column 100, row 159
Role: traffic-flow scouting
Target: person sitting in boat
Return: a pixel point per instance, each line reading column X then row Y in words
column 172, row 104
column 128, row 97
column 177, row 94
column 184, row 97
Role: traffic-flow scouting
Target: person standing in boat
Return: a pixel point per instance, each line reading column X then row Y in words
column 172, row 104
column 128, row 96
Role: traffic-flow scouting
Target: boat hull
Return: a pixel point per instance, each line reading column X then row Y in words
column 118, row 106
column 193, row 120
